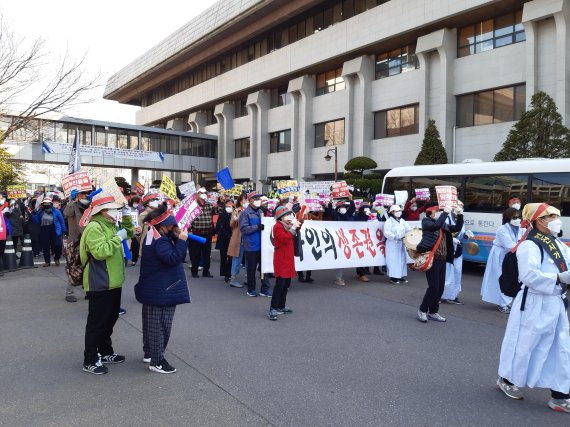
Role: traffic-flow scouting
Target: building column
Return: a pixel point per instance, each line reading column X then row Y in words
column 197, row 121
column 225, row 114
column 258, row 107
column 134, row 175
column 176, row 124
column 302, row 91
column 359, row 75
column 444, row 42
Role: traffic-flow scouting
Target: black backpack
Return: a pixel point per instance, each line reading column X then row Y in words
column 509, row 279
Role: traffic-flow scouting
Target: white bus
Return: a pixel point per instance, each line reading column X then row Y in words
column 485, row 188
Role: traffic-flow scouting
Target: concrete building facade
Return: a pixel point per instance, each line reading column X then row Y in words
column 282, row 82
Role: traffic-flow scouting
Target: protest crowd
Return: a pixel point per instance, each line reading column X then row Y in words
column 266, row 241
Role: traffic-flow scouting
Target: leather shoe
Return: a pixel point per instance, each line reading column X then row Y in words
column 207, row 275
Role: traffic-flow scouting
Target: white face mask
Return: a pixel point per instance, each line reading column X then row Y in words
column 244, row 204
column 203, row 196
column 257, row 203
column 516, row 206
column 342, row 211
column 397, row 214
column 437, row 215
column 153, row 204
column 84, row 202
column 516, row 222
column 414, row 208
column 135, row 205
column 367, row 211
column 113, row 213
column 555, row 226
column 229, row 210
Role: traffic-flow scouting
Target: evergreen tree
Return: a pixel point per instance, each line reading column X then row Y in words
column 11, row 172
column 365, row 185
column 432, row 152
column 538, row 133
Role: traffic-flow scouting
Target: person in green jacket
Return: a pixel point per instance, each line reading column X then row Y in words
column 101, row 251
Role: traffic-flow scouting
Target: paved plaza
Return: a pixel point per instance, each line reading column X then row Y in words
column 347, row 356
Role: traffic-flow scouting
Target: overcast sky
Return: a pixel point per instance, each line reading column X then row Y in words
column 113, row 33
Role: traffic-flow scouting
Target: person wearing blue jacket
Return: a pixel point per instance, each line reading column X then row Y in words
column 162, row 285
column 52, row 228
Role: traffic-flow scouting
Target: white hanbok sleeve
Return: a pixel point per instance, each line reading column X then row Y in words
column 504, row 238
column 391, row 230
column 530, row 269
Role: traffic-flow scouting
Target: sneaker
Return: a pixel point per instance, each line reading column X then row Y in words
column 122, row 311
column 200, row 268
column 70, row 298
column 162, row 368
column 56, row 262
column 301, row 279
column 284, row 310
column 403, row 280
column 422, row 317
column 146, row 359
column 363, row 278
column 272, row 314
column 395, row 281
column 511, row 391
column 436, row 316
column 560, row 405
column 227, row 279
column 113, row 358
column 309, row 280
column 339, row 282
column 235, row 284
column 96, row 369
column 134, row 263
column 443, row 301
column 506, row 309
column 267, row 294
column 252, row 293
column 45, row 264
column 455, row 301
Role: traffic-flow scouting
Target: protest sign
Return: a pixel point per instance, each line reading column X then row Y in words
column 187, row 211
column 81, row 181
column 422, row 194
column 213, row 197
column 384, row 199
column 110, row 186
column 17, row 191
column 401, row 197
column 288, row 188
column 188, row 188
column 235, row 191
column 357, row 203
column 168, row 188
column 138, row 188
column 340, row 190
column 446, row 196
column 313, row 205
column 315, row 187
column 272, row 204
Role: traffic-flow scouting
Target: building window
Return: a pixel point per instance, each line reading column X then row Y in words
column 490, row 34
column 329, row 133
column 492, row 106
column 240, row 108
column 279, row 97
column 396, row 122
column 331, row 81
column 280, row 141
column 396, row 61
column 242, row 147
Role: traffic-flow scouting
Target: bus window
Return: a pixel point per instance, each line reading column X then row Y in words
column 396, row 183
column 554, row 189
column 431, row 181
column 491, row 193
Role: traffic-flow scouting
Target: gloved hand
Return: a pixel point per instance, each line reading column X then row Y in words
column 260, row 227
column 122, row 233
column 447, row 210
column 73, row 194
column 564, row 277
column 456, row 241
column 458, row 210
column 126, row 210
column 469, row 234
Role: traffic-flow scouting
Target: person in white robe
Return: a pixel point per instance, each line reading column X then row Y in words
column 454, row 271
column 536, row 346
column 395, row 229
column 506, row 239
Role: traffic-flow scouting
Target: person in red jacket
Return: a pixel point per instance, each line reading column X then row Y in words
column 283, row 260
column 412, row 211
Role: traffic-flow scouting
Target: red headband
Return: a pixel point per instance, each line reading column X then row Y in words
column 160, row 218
column 108, row 199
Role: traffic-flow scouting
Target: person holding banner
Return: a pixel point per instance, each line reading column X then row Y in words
column 436, row 237
column 395, row 229
column 344, row 211
column 203, row 226
column 284, row 230
column 52, row 228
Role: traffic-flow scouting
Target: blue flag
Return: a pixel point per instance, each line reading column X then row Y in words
column 225, row 178
column 75, row 156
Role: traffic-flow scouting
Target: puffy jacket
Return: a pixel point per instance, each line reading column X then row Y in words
column 58, row 220
column 249, row 221
column 162, row 278
column 223, row 230
column 336, row 216
column 106, row 267
column 16, row 222
column 430, row 233
column 73, row 212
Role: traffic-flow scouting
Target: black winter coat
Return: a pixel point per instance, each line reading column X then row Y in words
column 430, row 233
column 335, row 216
column 223, row 230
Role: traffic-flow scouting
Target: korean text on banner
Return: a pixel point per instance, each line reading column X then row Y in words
column 80, row 181
column 138, row 188
column 446, row 196
column 315, row 187
column 168, row 188
column 340, row 190
column 187, row 211
column 111, row 187
column 313, row 205
column 236, row 191
column 331, row 244
column 384, row 199
column 188, row 188
column 288, row 188
column 422, row 194
column 16, row 191
column 401, row 197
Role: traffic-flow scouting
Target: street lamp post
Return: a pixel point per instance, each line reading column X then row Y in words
column 328, row 158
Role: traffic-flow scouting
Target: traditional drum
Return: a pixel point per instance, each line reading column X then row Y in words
column 412, row 239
